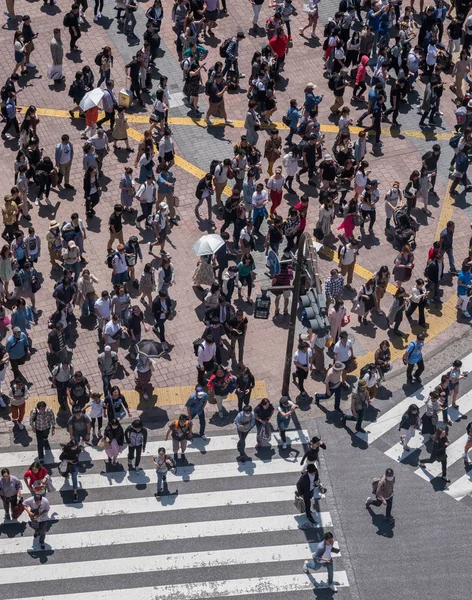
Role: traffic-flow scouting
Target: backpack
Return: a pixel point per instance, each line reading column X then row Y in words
column 327, row 29
column 208, row 85
column 109, row 259
column 68, row 19
column 342, row 250
column 67, row 236
column 375, row 484
column 98, row 59
column 301, row 129
column 213, row 165
column 196, row 345
column 32, row 244
column 469, row 427
column 224, row 47
column 454, row 141
column 4, row 93
column 73, row 87
column 331, row 82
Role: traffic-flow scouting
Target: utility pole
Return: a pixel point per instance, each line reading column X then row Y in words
column 304, row 239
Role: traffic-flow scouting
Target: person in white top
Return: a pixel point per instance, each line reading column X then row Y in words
column 302, row 361
column 120, row 268
column 112, row 333
column 347, row 261
column 102, row 309
column 220, row 179
column 323, row 557
column 344, row 353
column 96, row 412
column 147, row 196
column 37, row 508
column 206, row 357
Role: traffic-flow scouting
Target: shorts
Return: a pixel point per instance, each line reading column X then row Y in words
column 19, row 57
column 211, row 15
column 286, row 294
column 161, row 236
column 168, row 156
column 157, row 117
column 119, row 278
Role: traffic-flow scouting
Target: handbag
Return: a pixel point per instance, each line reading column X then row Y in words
column 318, row 233
column 35, row 285
column 299, row 503
column 346, row 320
column 358, row 308
column 176, row 201
column 63, row 468
column 286, row 120
column 17, row 509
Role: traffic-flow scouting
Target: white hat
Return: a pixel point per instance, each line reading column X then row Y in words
column 163, row 205
column 107, row 348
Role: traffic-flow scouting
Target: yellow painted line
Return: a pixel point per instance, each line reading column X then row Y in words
column 446, row 212
column 171, row 396
column 179, row 161
column 239, row 124
column 438, row 323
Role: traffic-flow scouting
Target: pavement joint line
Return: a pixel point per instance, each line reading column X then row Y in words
column 239, row 124
column 167, row 396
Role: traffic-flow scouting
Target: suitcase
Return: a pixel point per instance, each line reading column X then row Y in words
column 124, row 98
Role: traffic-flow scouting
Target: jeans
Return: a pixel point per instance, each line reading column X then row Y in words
column 450, row 255
column 242, row 442
column 293, row 131
column 106, row 380
column 337, row 396
column 146, row 210
column 104, row 76
column 88, row 307
column 329, row 567
column 230, row 65
column 131, row 452
column 282, row 425
column 419, row 369
column 42, row 441
column 160, row 479
column 201, row 417
column 73, row 471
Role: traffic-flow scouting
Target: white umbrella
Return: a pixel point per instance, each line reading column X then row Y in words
column 208, row 244
column 91, row 99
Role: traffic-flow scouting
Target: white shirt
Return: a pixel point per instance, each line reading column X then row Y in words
column 119, row 263
column 103, row 307
column 348, row 255
column 431, row 55
column 206, row 352
column 342, row 351
column 43, row 506
column 327, row 553
column 259, row 199
column 146, row 192
column 302, row 357
column 96, row 408
column 221, row 174
column 65, row 152
column 360, row 179
column 285, row 409
column 110, row 329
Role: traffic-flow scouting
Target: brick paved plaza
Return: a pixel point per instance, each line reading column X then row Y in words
column 197, row 146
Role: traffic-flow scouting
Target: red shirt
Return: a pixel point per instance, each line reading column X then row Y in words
column 302, row 208
column 32, row 477
column 279, row 45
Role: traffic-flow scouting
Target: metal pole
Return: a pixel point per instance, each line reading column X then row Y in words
column 305, row 238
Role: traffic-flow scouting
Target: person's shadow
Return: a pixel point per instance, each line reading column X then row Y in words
column 384, row 527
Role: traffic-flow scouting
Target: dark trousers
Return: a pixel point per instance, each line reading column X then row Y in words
column 412, row 309
column 360, row 87
column 131, row 452
column 358, row 419
column 44, row 188
column 443, row 462
column 11, row 123
column 136, row 89
column 434, row 287
column 91, row 201
column 15, row 363
column 61, row 389
column 419, row 369
column 394, row 111
column 9, row 232
column 337, row 396
column 243, row 399
column 301, row 375
column 368, row 214
column 73, row 40
column 109, row 116
column 9, row 502
column 98, row 7
column 388, row 508
column 161, row 329
column 242, row 442
column 308, row 498
column 310, row 169
column 201, row 417
column 42, row 441
column 146, row 210
column 40, row 528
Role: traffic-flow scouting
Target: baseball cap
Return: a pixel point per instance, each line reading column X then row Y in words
column 16, row 330
column 107, row 348
column 199, row 392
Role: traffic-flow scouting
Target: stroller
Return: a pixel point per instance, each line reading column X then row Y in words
column 405, row 229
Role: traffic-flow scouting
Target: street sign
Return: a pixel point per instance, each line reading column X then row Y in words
column 273, row 262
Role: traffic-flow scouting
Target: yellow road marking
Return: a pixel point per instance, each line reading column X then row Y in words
column 239, row 124
column 446, row 212
column 170, row 396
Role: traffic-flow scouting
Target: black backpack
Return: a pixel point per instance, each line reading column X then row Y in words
column 331, row 82
column 98, row 59
column 196, row 345
column 214, row 163
column 68, row 19
column 109, row 259
column 224, row 47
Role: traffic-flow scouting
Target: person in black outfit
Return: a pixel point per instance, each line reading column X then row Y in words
column 440, row 443
column 306, row 487
column 309, row 159
column 311, row 455
column 396, row 92
column 229, row 214
column 132, row 71
column 74, row 27
column 430, row 163
column 152, row 36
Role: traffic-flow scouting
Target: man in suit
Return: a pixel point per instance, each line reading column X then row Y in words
column 305, row 487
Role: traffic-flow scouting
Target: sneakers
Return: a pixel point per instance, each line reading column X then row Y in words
column 284, row 446
column 75, row 498
column 30, row 65
column 332, row 587
column 20, row 425
column 305, row 568
column 208, row 121
column 145, row 396
column 203, row 437
column 467, row 314
column 150, row 248
column 220, row 414
column 466, row 458
column 368, row 501
column 228, row 122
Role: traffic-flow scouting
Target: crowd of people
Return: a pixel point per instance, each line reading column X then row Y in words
column 383, row 46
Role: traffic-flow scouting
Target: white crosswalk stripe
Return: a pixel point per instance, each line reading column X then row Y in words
column 248, row 524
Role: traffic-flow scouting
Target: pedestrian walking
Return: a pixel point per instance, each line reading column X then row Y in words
column 136, row 438
column 418, row 300
column 263, row 413
column 164, row 464
column 306, row 485
column 333, row 385
column 245, row 421
column 114, row 439
column 311, row 455
column 413, row 356
column 37, row 507
column 42, row 422
column 302, row 360
column 284, row 416
column 384, row 488
column 79, row 425
column 323, row 558
column 181, row 432
column 360, row 400
column 69, row 458
column 409, row 425
column 439, row 453
column 10, row 492
column 196, row 404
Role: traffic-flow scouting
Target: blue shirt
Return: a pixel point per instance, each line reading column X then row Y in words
column 196, row 405
column 463, row 282
column 10, row 107
column 293, row 115
column 374, row 22
column 162, row 187
column 16, row 347
column 414, row 351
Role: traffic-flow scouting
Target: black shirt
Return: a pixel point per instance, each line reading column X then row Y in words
column 455, row 30
column 78, row 390
column 57, row 340
column 431, row 160
column 116, row 222
column 275, row 234
column 134, row 323
column 309, row 152
column 27, row 33
column 216, row 89
column 328, row 170
column 73, row 21
column 339, row 81
column 134, row 67
column 231, row 204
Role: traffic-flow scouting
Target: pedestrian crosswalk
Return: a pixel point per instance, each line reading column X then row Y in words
column 224, row 529
column 384, row 432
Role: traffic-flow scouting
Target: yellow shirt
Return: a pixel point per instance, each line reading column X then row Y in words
column 9, row 213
